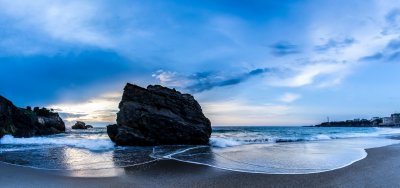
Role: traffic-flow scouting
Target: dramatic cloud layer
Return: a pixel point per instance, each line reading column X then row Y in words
column 258, row 62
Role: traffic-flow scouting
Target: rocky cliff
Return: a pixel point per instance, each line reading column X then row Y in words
column 159, row 116
column 27, row 123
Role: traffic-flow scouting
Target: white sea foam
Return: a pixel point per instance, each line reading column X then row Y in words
column 234, row 140
column 85, row 143
column 322, row 137
column 224, row 142
column 288, row 158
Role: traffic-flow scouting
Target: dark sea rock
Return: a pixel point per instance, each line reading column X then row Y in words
column 79, row 125
column 159, row 116
column 21, row 122
column 89, row 126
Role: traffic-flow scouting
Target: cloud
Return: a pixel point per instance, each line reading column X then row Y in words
column 335, row 44
column 68, row 116
column 318, row 74
column 289, row 97
column 210, row 82
column 170, row 78
column 204, row 81
column 69, row 21
column 65, row 52
column 393, row 44
column 240, row 112
column 98, row 109
column 284, row 48
column 373, row 57
column 390, row 53
column 394, row 57
column 392, row 22
column 49, row 78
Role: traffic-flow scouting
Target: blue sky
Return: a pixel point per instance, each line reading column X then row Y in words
column 247, row 62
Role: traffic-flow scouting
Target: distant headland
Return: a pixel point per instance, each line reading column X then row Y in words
column 392, row 121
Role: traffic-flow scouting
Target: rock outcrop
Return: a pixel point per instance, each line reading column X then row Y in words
column 159, row 116
column 81, row 125
column 89, row 126
column 21, row 122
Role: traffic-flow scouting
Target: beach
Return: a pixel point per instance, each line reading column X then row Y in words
column 381, row 168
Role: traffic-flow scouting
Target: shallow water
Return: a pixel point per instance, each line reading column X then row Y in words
column 273, row 150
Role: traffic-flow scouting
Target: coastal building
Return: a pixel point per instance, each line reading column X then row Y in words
column 387, row 121
column 396, row 118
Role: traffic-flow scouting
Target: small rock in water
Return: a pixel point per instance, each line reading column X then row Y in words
column 159, row 116
column 89, row 126
column 79, row 125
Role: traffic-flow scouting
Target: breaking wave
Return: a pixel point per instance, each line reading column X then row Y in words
column 224, row 139
column 92, row 144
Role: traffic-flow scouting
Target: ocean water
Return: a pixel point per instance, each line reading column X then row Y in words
column 271, row 150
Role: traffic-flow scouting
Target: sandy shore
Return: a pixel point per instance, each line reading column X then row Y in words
column 381, row 168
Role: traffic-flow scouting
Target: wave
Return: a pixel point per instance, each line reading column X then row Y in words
column 222, row 142
column 229, row 142
column 98, row 144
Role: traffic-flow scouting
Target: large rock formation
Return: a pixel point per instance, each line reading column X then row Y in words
column 158, row 116
column 21, row 122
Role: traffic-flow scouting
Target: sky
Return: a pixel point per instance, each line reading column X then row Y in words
column 247, row 62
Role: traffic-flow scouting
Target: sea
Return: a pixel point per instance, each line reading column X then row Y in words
column 269, row 150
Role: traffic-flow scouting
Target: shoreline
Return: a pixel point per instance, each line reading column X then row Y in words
column 381, row 168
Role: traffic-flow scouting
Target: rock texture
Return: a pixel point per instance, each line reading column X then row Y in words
column 21, row 122
column 79, row 125
column 159, row 116
column 89, row 126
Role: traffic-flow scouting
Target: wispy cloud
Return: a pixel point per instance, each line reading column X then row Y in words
column 373, row 57
column 335, row 44
column 204, row 81
column 213, row 81
column 289, row 97
column 69, row 21
column 284, row 48
column 390, row 53
column 76, row 50
column 318, row 74
column 392, row 22
column 99, row 109
column 241, row 113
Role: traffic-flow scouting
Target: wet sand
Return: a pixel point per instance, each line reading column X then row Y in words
column 381, row 168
